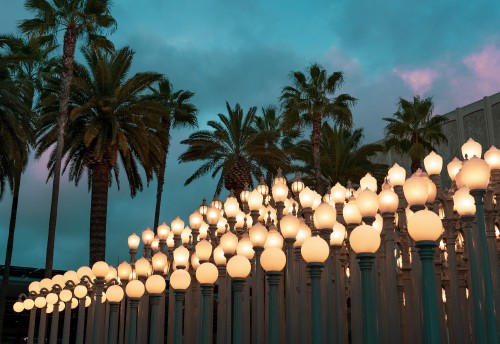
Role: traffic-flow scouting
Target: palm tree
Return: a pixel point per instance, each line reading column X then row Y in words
column 76, row 18
column 414, row 130
column 309, row 101
column 178, row 112
column 233, row 148
column 111, row 120
column 342, row 156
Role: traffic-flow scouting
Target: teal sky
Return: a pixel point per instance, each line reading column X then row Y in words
column 243, row 52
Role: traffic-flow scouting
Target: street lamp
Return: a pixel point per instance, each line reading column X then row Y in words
column 280, row 193
column 100, row 270
column 179, row 281
column 425, row 228
column 416, row 191
column 471, row 149
column 203, row 250
column 177, row 226
column 114, row 295
column 368, row 182
column 134, row 290
column 433, row 163
column 207, row 275
column 155, row 285
column 397, row 175
column 238, row 267
column 367, row 201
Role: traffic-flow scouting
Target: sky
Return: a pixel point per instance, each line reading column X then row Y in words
column 243, row 52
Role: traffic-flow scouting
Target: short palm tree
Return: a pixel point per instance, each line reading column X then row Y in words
column 112, row 123
column 233, row 149
column 178, row 112
column 310, row 101
column 413, row 130
column 343, row 157
column 88, row 19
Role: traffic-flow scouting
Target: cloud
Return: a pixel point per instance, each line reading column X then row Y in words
column 484, row 68
column 419, row 80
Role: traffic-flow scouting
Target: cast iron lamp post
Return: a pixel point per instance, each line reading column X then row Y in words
column 258, row 237
column 155, row 285
column 336, row 242
column 273, row 261
column 207, row 275
column 425, row 228
column 238, row 267
column 114, row 294
column 134, row 290
column 365, row 241
column 179, row 281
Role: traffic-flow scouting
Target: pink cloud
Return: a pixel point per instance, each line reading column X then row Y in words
column 484, row 66
column 419, row 80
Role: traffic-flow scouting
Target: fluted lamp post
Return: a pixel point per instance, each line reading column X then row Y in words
column 80, row 293
column 258, row 237
column 155, row 285
column 134, row 290
column 207, row 275
column 315, row 251
column 425, row 228
column 114, row 295
column 273, row 261
column 179, row 281
column 238, row 267
column 365, row 241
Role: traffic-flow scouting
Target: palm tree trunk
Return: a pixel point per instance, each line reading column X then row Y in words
column 66, row 77
column 316, row 145
column 161, row 173
column 98, row 212
column 8, row 252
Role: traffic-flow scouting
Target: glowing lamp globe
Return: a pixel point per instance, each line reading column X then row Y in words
column 213, row 215
column 203, row 250
column 415, row 190
column 351, row 212
column 289, row 226
column 471, row 149
column 159, row 262
column 28, row 304
column 315, row 250
column 221, row 225
column 231, row 206
column 240, row 219
column 297, row 184
column 203, row 207
column 338, row 193
column 238, row 267
column 228, row 242
column 124, row 271
column 274, row 239
column 280, row 192
column 142, row 267
column 459, row 181
column 368, row 182
column 303, row 233
column 364, row 239
column 306, row 197
column 262, row 187
column 65, row 295
column 245, row 247
column 338, row 235
column 207, row 273
column 324, row 216
column 476, row 173
column 431, row 190
column 203, row 231
column 195, row 220
column 58, row 280
column 49, row 309
column 115, row 293
column 80, row 291
column 492, row 157
column 464, row 202
column 181, row 256
column 155, row 284
column 18, row 307
column 397, row 175
column 453, row 168
column 133, row 241
column 425, row 225
column 52, row 298
column 317, row 200
column 74, row 303
column 219, row 257
column 163, row 231
column 40, row 302
column 180, row 280
column 388, row 200
column 112, row 274
column 378, row 223
column 433, row 163
column 34, row 287
column 258, row 235
column 135, row 289
column 186, row 235
column 367, row 202
column 244, row 195
column 195, row 262
column 72, row 276
column 177, row 226
column 147, row 236
column 47, row 283
column 255, row 200
column 273, row 259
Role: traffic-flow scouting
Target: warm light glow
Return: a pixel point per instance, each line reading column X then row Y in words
column 52, row 298
column 258, row 235
column 425, row 225
column 114, row 293
column 216, row 203
column 28, row 304
column 100, row 269
column 431, row 189
column 338, row 234
column 65, row 295
column 159, row 262
column 351, row 213
column 186, row 236
column 203, row 250
column 415, row 190
column 338, row 193
column 221, row 225
column 231, row 206
column 228, row 242
column 280, row 192
column 219, row 257
column 289, row 226
column 464, row 202
column 368, row 182
column 80, row 291
column 47, row 282
column 324, row 216
column 273, row 259
column 181, row 256
column 18, row 307
column 244, row 195
column 147, row 236
column 203, row 207
column 255, row 200
column 367, row 202
column 240, row 219
column 213, row 215
column 133, row 241
column 245, row 247
column 492, row 157
column 315, row 250
column 307, row 197
column 471, row 148
column 378, row 223
column 59, row 280
column 142, row 267
column 195, row 220
column 453, row 167
column 388, row 200
column 433, row 163
column 155, row 284
column 274, row 239
column 135, row 289
column 207, row 273
column 112, row 274
column 163, row 231
column 303, row 233
column 170, row 240
column 238, row 267
column 364, row 239
column 397, row 175
column 124, row 271
column 155, row 244
column 34, row 287
column 40, row 302
column 177, row 226
column 262, row 187
column 72, row 276
column 297, row 184
column 475, row 173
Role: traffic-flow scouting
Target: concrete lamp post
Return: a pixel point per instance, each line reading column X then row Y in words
column 155, row 285
column 134, row 290
column 238, row 267
column 179, row 281
column 207, row 275
column 114, row 295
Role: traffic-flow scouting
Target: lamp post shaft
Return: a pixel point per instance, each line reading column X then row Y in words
column 315, row 270
column 67, row 321
column 273, row 279
column 81, row 321
column 179, row 304
column 238, row 286
column 206, row 301
column 257, row 315
column 338, row 305
column 290, row 297
column 96, row 333
column 132, row 329
column 42, row 325
column 154, row 301
column 31, row 328
column 366, row 261
column 113, row 322
column 54, row 326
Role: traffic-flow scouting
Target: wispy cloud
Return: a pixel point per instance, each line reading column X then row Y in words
column 419, row 80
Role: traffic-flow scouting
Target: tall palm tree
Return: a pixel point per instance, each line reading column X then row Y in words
column 234, row 149
column 88, row 19
column 310, row 101
column 178, row 112
column 342, row 155
column 414, row 130
column 112, row 123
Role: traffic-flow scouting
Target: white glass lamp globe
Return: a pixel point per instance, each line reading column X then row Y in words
column 397, row 175
column 163, row 231
column 115, row 293
column 18, row 307
column 58, row 280
column 415, row 190
column 203, row 231
column 367, row 202
column 142, row 267
column 155, row 284
column 240, row 219
column 124, row 271
column 177, row 226
column 28, row 304
column 155, row 245
column 186, row 236
column 65, row 295
column 471, row 149
column 195, row 262
column 431, row 189
column 453, row 168
column 213, row 215
column 289, row 226
column 317, row 200
column 475, row 173
column 364, row 239
column 195, row 220
column 133, row 241
column 80, row 291
column 368, row 182
column 219, row 257
column 181, row 256
column 255, row 200
column 231, row 206
column 258, row 235
column 273, row 259
column 338, row 235
column 433, row 163
column 244, row 195
column 221, row 225
column 245, row 247
column 464, row 202
column 378, row 223
column 159, row 262
column 147, row 236
column 303, row 233
column 315, row 250
column 274, row 239
column 207, row 273
column 280, row 192
column 100, row 269
column 306, row 197
column 74, row 303
column 135, row 289
column 170, row 240
column 72, row 276
column 324, row 216
column 351, row 212
column 492, row 157
column 40, row 302
column 112, row 274
column 47, row 283
column 238, row 267
column 52, row 298
column 297, row 184
column 180, row 280
column 388, row 200
column 203, row 250
column 34, row 287
column 338, row 193
column 49, row 309
column 425, row 225
column 228, row 242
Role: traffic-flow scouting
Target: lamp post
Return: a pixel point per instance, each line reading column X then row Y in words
column 258, row 236
column 365, row 241
column 66, row 296
column 114, row 295
column 179, row 281
column 207, row 275
column 315, row 251
column 29, row 304
column 80, row 293
column 231, row 208
column 336, row 241
column 273, row 261
column 280, row 193
column 53, row 299
column 100, row 270
column 238, row 267
column 155, row 285
column 425, row 228
column 134, row 290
